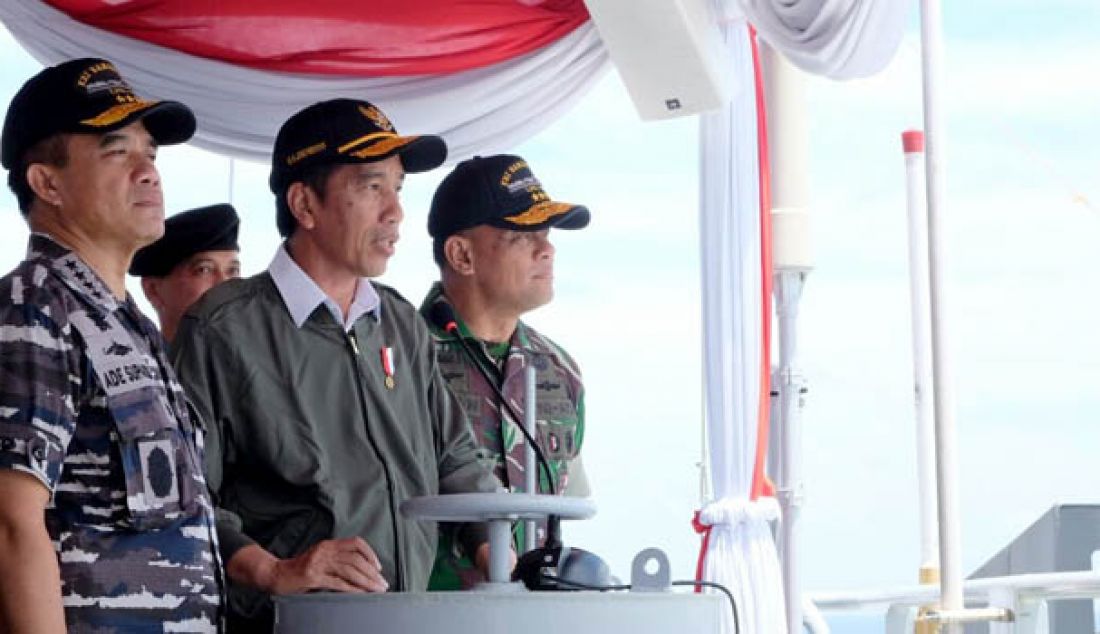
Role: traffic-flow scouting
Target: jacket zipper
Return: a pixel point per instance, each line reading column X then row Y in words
column 397, row 559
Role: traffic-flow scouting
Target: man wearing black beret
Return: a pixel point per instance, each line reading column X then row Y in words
column 198, row 251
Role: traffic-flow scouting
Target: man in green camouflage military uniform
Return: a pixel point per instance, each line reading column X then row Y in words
column 105, row 522
column 490, row 221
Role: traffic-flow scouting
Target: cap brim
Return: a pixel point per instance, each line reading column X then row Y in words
column 169, row 122
column 544, row 215
column 418, row 153
column 423, row 153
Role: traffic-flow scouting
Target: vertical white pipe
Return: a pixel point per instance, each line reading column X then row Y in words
column 775, row 433
column 943, row 402
column 791, row 259
column 785, row 100
column 232, row 180
column 913, row 146
column 500, row 541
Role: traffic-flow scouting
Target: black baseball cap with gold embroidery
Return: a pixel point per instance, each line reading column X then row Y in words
column 85, row 96
column 499, row 191
column 346, row 131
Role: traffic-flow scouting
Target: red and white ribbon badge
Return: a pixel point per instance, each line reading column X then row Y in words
column 388, row 366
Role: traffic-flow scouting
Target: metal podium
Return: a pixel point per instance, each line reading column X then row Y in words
column 500, row 606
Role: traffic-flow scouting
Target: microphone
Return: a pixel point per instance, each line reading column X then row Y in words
column 442, row 316
column 537, row 568
column 543, row 567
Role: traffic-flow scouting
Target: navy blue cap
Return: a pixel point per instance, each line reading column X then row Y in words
column 345, row 131
column 500, row 191
column 85, row 96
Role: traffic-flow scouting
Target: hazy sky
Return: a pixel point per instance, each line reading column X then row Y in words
column 1023, row 218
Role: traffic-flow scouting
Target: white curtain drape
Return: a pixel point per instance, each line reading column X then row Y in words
column 741, row 553
column 840, row 39
column 837, row 38
column 239, row 110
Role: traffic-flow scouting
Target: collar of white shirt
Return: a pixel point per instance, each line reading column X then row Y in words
column 302, row 295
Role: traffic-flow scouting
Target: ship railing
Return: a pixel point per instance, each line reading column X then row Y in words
column 1014, row 604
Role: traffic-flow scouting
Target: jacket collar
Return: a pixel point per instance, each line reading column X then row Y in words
column 302, row 295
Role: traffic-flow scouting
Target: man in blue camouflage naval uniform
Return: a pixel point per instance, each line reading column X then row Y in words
column 105, row 520
column 490, row 221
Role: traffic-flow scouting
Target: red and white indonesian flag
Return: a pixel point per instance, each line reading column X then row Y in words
column 485, row 74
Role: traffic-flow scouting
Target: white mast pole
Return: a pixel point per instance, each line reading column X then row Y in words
column 913, row 145
column 232, row 180
column 792, row 262
column 943, row 402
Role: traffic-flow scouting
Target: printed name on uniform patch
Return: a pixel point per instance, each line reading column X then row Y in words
column 129, row 373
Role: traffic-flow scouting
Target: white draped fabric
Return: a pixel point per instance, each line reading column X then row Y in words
column 239, row 110
column 841, row 39
column 741, row 553
column 837, row 38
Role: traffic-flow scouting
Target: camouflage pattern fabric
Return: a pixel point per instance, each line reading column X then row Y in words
column 559, row 395
column 90, row 407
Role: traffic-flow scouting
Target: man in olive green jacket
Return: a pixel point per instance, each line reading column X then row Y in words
column 325, row 402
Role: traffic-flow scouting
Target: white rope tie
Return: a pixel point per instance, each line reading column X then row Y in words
column 734, row 511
